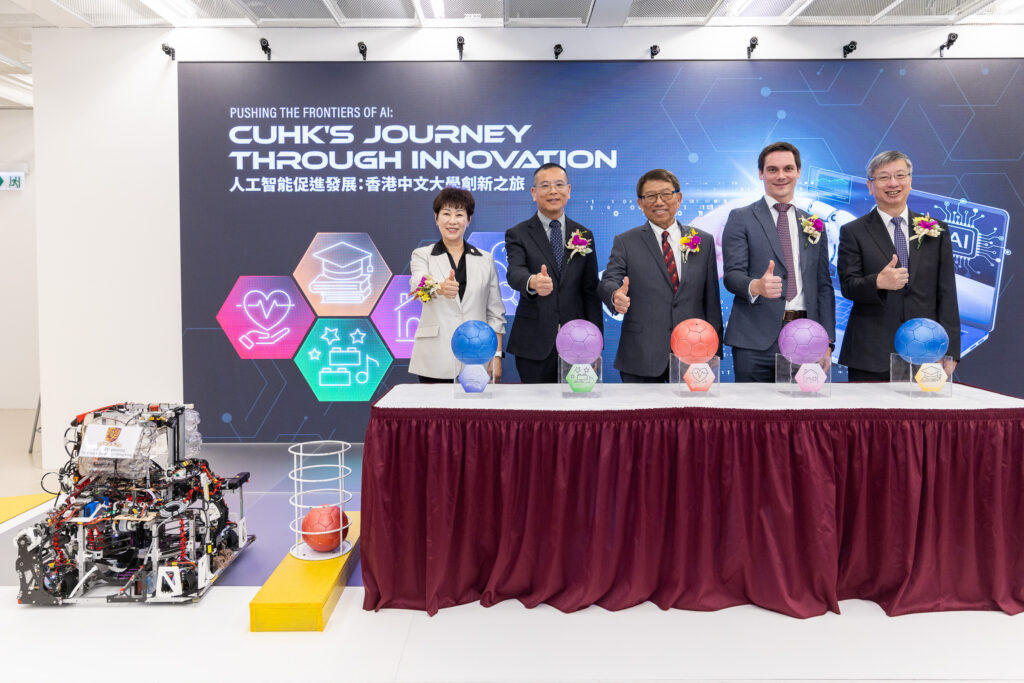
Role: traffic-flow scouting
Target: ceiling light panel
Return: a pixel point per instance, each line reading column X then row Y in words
column 372, row 10
column 548, row 13
column 669, row 12
column 463, row 9
column 753, row 8
column 283, row 12
column 100, row 13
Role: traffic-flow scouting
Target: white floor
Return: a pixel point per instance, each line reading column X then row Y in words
column 211, row 642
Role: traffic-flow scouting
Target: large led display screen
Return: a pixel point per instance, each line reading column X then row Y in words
column 306, row 186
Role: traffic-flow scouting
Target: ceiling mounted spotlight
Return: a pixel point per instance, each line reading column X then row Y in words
column 849, row 48
column 460, row 43
column 558, row 50
column 752, row 46
column 265, row 46
column 168, row 50
column 654, row 51
column 950, row 39
column 362, row 49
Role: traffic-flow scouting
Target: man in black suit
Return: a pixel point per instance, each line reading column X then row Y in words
column 556, row 281
column 776, row 271
column 893, row 272
column 657, row 283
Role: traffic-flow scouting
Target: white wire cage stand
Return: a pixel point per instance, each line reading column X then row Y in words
column 319, row 465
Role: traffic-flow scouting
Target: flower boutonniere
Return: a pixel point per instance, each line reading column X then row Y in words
column 427, row 289
column 925, row 225
column 578, row 244
column 689, row 244
column 812, row 227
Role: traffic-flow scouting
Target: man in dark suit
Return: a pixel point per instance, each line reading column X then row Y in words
column 556, row 282
column 776, row 271
column 892, row 272
column 657, row 282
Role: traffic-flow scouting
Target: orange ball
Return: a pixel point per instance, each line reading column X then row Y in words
column 320, row 528
column 694, row 341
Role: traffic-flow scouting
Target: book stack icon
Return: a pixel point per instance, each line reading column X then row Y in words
column 345, row 273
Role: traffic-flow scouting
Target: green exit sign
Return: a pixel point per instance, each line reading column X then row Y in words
column 11, row 180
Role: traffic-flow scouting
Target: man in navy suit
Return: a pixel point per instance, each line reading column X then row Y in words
column 893, row 273
column 556, row 283
column 776, row 271
column 657, row 282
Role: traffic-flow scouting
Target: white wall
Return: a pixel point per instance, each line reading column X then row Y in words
column 107, row 179
column 19, row 343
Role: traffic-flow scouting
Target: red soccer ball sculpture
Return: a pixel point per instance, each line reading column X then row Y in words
column 694, row 341
column 320, row 528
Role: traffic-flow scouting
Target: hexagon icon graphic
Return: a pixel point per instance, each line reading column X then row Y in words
column 494, row 242
column 343, row 359
column 397, row 316
column 265, row 316
column 342, row 273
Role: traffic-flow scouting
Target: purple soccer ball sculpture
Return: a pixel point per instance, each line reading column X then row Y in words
column 803, row 341
column 579, row 341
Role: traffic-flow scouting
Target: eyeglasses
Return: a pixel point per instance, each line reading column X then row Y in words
column 655, row 196
column 884, row 178
column 558, row 185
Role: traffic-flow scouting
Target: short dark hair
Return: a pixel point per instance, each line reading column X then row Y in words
column 778, row 147
column 657, row 174
column 886, row 158
column 548, row 165
column 455, row 198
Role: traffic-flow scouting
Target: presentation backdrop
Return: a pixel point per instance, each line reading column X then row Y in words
column 306, row 186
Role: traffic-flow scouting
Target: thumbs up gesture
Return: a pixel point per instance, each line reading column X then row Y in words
column 768, row 285
column 541, row 282
column 450, row 287
column 620, row 299
column 892, row 277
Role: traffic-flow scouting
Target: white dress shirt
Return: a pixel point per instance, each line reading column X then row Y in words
column 904, row 225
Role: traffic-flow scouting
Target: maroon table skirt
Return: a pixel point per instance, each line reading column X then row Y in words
column 694, row 508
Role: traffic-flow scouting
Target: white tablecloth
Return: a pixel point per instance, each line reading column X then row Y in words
column 646, row 396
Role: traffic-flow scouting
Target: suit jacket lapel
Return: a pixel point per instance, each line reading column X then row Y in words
column 808, row 255
column 441, row 268
column 913, row 248
column 880, row 234
column 771, row 231
column 648, row 238
column 543, row 242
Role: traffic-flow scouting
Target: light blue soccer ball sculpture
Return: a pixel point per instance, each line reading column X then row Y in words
column 474, row 342
column 921, row 340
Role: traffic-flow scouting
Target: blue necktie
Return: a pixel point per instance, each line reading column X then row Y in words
column 900, row 240
column 556, row 243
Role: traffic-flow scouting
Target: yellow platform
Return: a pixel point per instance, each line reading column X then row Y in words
column 301, row 594
column 12, row 506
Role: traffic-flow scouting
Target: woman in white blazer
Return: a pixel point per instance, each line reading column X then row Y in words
column 468, row 290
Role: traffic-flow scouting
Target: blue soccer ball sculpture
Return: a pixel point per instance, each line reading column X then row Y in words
column 474, row 342
column 921, row 340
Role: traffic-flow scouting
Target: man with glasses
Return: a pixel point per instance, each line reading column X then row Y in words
column 892, row 271
column 552, row 263
column 776, row 271
column 656, row 282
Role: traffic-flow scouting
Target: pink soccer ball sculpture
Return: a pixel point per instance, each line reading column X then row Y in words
column 803, row 341
column 579, row 341
column 694, row 341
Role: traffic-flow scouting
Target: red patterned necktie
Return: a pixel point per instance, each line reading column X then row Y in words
column 787, row 249
column 670, row 261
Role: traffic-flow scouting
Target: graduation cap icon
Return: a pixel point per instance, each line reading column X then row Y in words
column 344, row 274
